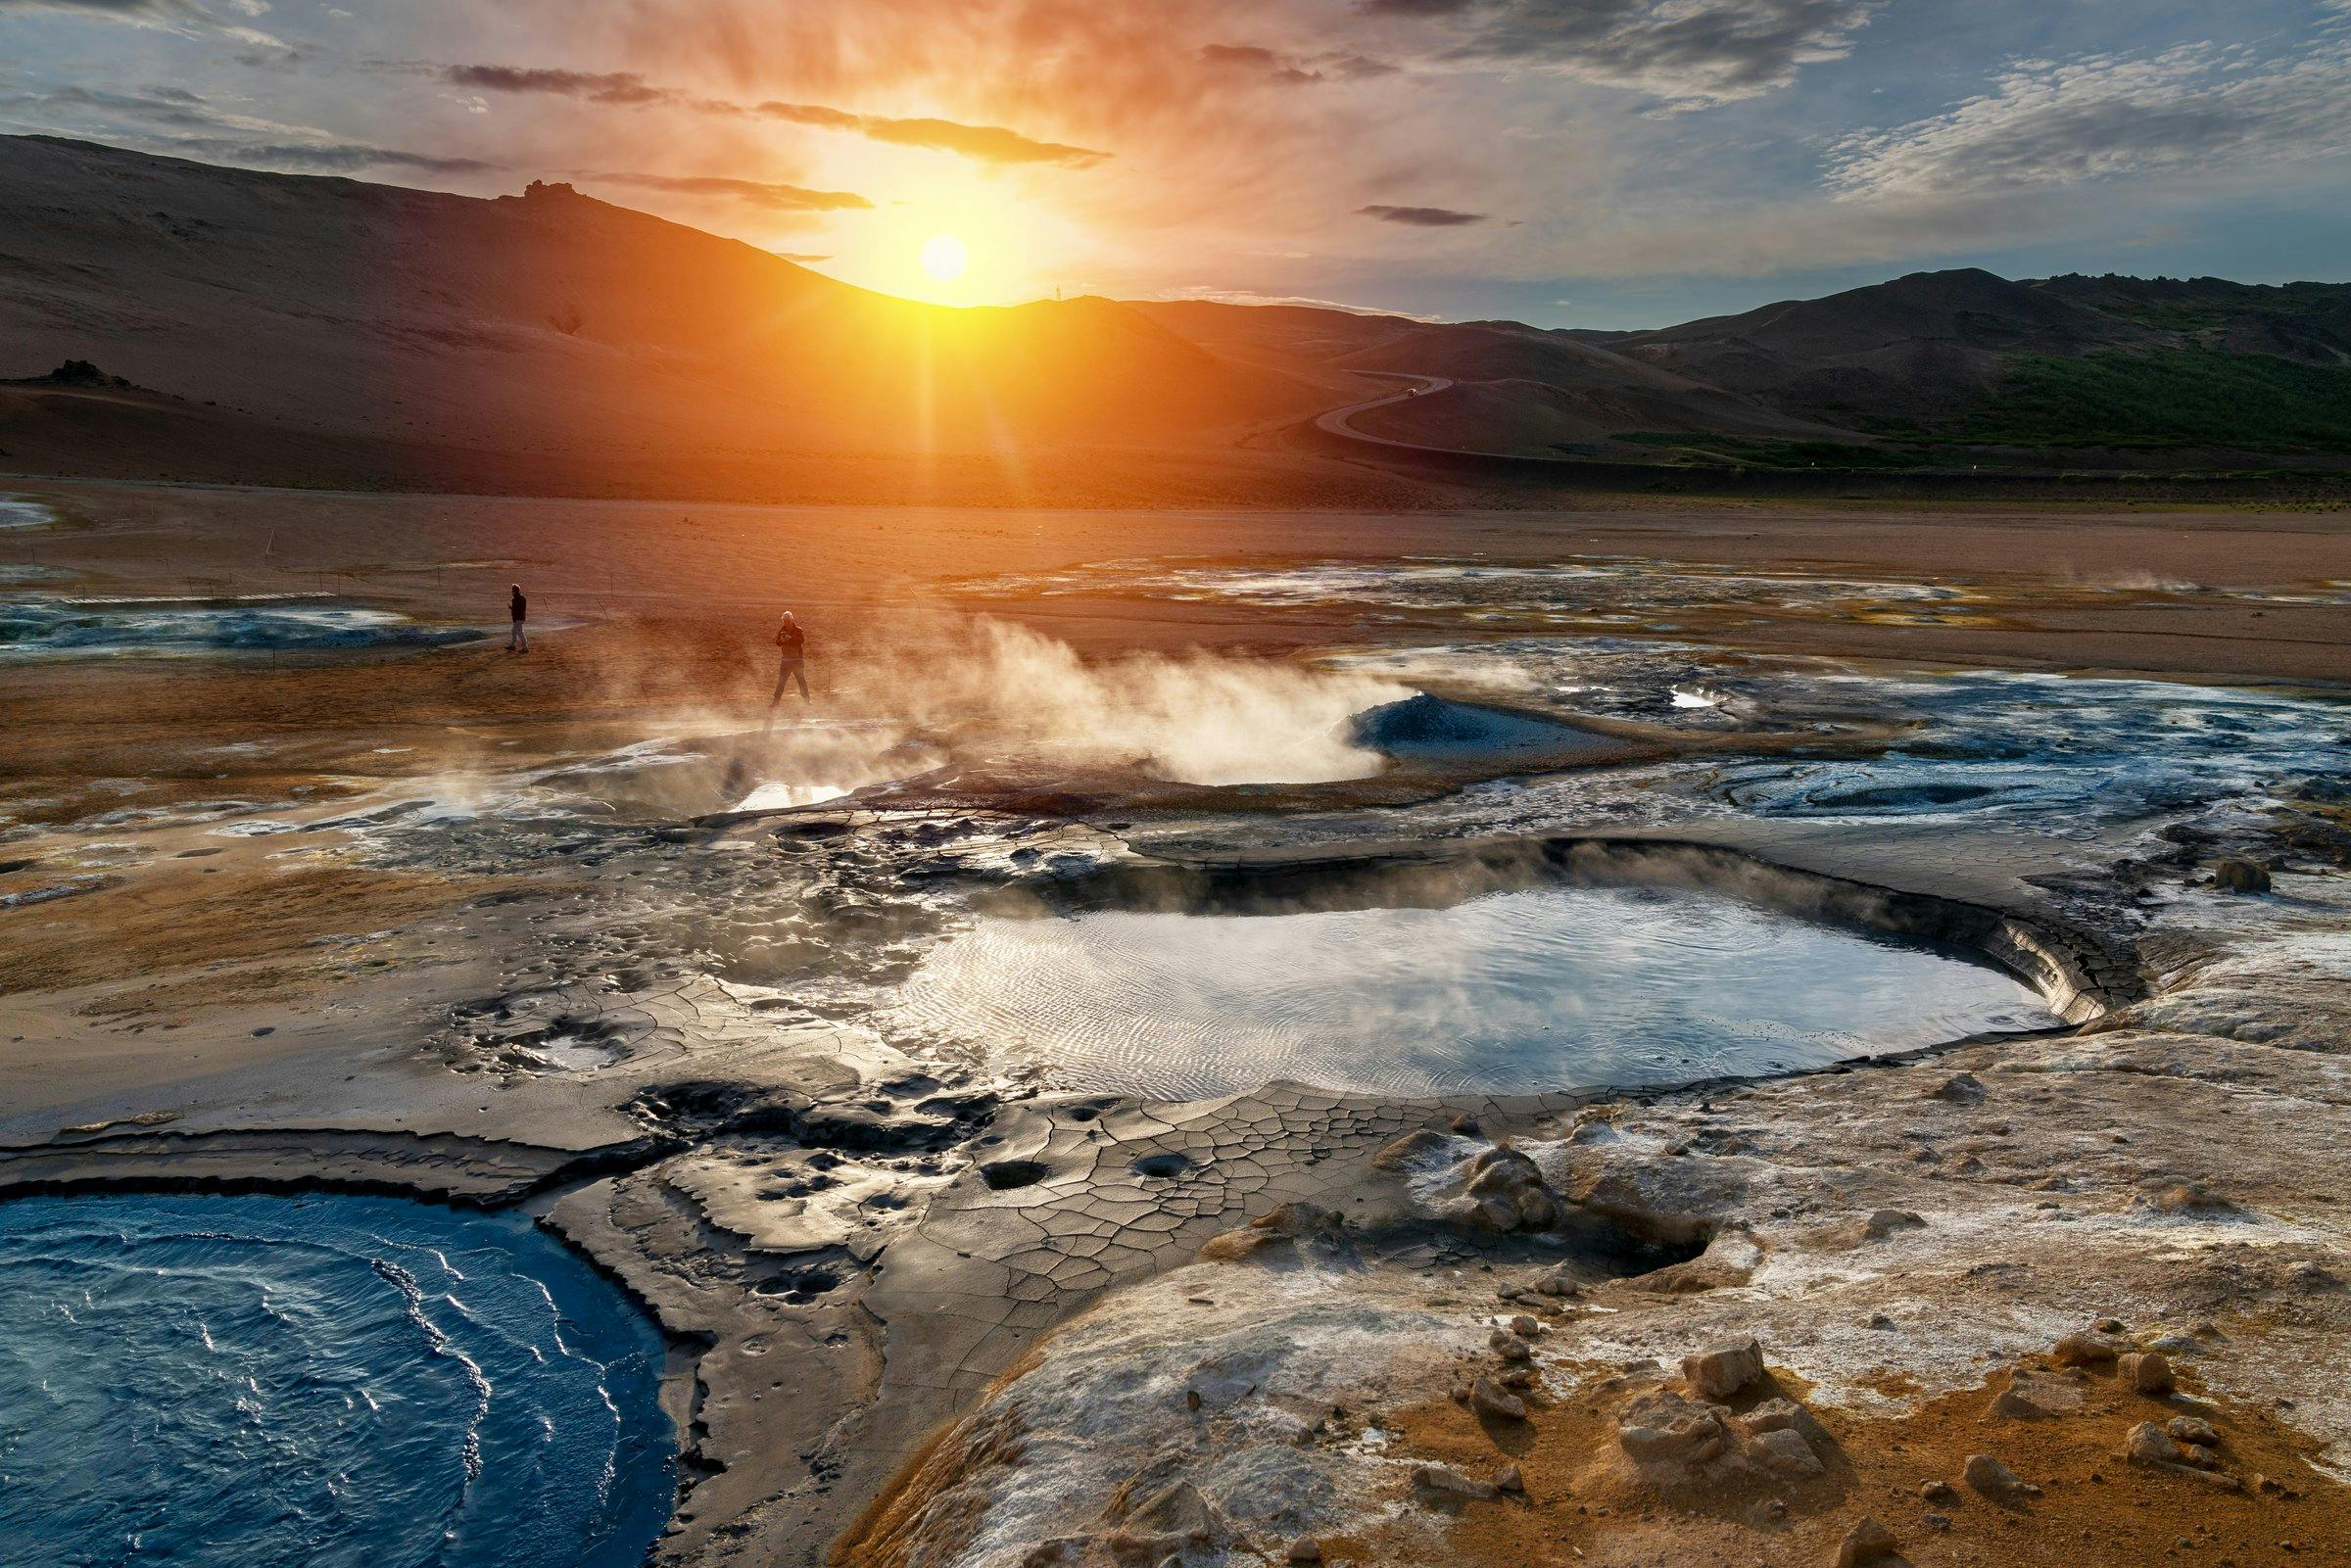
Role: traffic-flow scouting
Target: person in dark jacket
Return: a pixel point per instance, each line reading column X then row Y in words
column 517, row 607
column 792, row 644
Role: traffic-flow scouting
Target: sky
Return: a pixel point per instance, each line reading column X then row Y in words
column 1567, row 163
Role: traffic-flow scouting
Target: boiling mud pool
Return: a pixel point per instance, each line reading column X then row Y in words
column 37, row 623
column 229, row 1382
column 1518, row 992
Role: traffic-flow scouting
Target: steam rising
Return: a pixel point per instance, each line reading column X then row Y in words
column 1202, row 717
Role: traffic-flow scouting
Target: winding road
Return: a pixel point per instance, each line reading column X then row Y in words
column 1336, row 421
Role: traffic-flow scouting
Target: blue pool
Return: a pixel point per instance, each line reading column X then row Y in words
column 258, row 1382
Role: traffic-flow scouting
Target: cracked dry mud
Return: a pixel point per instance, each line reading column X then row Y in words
column 926, row 1309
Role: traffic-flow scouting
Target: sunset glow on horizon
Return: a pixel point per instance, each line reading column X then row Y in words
column 1620, row 165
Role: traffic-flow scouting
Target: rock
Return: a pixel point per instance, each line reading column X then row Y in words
column 2146, row 1372
column 1497, row 1214
column 1936, row 1521
column 1507, row 1478
column 1729, row 1261
column 1443, row 1485
column 2311, row 1277
column 1960, row 1088
column 2148, row 1443
column 1559, row 1282
column 1663, row 1431
column 1306, row 1548
column 1995, row 1479
column 1937, row 1491
column 1508, row 1346
column 1774, row 1414
column 1866, row 1541
column 1507, row 1192
column 2189, row 1429
column 1295, row 1219
column 1179, row 1510
column 1526, row 1328
column 2084, row 1350
column 1784, row 1452
column 2148, row 1446
column 2237, row 874
column 1855, row 1230
column 1412, row 1149
column 1292, row 1221
column 1723, row 1368
column 1486, row 1398
column 2190, row 1198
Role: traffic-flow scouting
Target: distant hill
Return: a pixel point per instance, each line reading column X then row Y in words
column 236, row 327
column 551, row 322
column 1935, row 368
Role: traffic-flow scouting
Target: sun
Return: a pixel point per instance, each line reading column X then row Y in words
column 945, row 257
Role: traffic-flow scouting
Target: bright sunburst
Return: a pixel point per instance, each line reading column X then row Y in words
column 945, row 257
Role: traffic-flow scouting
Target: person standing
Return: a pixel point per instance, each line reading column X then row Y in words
column 792, row 645
column 517, row 607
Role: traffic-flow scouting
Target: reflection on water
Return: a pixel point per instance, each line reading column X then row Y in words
column 1517, row 992
column 339, row 1382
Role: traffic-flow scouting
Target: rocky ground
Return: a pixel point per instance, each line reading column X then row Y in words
column 2078, row 1296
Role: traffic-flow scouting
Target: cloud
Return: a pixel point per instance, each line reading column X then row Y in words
column 1421, row 216
column 757, row 192
column 1685, row 50
column 189, row 17
column 623, row 88
column 990, row 144
column 1258, row 62
column 1291, row 70
column 2047, row 124
column 199, row 128
column 331, row 157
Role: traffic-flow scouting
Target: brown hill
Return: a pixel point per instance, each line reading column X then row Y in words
column 551, row 322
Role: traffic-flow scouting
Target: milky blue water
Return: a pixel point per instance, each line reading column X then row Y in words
column 329, row 1381
column 1518, row 992
column 23, row 511
column 2066, row 754
column 51, row 624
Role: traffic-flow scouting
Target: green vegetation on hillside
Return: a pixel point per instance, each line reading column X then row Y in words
column 1698, row 447
column 2167, row 397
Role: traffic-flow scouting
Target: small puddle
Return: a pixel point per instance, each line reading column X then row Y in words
column 1522, row 992
column 341, row 1382
column 23, row 511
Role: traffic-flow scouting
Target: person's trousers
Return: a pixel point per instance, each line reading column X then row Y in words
column 791, row 670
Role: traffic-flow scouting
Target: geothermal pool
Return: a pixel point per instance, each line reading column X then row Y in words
column 42, row 623
column 341, row 1382
column 1515, row 993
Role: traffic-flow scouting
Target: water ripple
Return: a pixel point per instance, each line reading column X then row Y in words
column 344, row 1382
